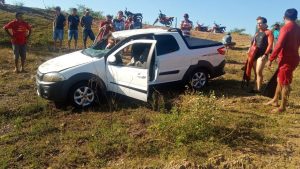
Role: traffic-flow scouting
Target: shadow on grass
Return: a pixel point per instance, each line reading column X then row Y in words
column 247, row 140
column 241, row 48
column 165, row 97
column 229, row 61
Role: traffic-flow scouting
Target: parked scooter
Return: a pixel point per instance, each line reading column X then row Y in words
column 218, row 28
column 201, row 28
column 134, row 20
column 163, row 19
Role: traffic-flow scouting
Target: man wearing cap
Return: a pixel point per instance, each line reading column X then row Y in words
column 86, row 22
column 20, row 32
column 287, row 51
column 186, row 26
column 58, row 27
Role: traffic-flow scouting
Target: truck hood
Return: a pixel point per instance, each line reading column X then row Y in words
column 64, row 62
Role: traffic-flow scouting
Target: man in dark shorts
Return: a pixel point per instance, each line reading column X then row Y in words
column 20, row 32
column 73, row 22
column 58, row 27
column 287, row 50
column 86, row 22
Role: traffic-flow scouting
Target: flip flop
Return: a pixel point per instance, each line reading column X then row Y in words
column 278, row 110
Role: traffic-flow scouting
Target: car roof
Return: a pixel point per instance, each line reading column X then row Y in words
column 128, row 33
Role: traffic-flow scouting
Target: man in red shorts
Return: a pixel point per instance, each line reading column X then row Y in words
column 20, row 32
column 287, row 50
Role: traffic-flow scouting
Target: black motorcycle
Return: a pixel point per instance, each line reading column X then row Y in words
column 218, row 28
column 163, row 19
column 134, row 20
column 201, row 27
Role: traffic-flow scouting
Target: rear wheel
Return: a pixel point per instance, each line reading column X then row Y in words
column 83, row 95
column 198, row 79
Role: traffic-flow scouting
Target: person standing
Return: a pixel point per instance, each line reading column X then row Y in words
column 73, row 22
column 86, row 22
column 287, row 51
column 276, row 33
column 58, row 27
column 106, row 27
column 20, row 32
column 119, row 22
column 264, row 41
column 186, row 26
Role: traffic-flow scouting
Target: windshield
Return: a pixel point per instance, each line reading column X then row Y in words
column 95, row 53
column 99, row 49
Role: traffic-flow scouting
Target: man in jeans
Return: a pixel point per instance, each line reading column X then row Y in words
column 86, row 22
column 73, row 22
column 58, row 27
column 20, row 32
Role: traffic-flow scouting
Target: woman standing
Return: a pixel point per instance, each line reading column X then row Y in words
column 264, row 41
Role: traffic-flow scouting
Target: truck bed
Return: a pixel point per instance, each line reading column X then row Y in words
column 195, row 43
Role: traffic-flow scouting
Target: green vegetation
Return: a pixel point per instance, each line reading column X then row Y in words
column 81, row 10
column 222, row 126
column 238, row 31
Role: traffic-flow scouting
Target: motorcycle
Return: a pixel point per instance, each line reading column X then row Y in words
column 218, row 28
column 163, row 19
column 134, row 20
column 201, row 28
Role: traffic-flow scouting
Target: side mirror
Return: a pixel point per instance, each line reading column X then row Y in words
column 111, row 60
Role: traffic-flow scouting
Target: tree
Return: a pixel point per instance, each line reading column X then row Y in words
column 239, row 31
column 282, row 23
column 81, row 9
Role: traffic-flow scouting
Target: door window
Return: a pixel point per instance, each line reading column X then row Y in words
column 134, row 55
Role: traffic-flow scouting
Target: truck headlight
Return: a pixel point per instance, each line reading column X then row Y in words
column 53, row 77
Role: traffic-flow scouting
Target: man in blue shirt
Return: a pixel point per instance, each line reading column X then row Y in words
column 73, row 22
column 86, row 22
column 58, row 27
column 119, row 22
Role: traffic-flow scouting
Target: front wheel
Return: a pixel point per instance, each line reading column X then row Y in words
column 169, row 23
column 198, row 79
column 83, row 95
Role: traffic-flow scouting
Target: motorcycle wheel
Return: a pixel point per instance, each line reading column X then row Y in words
column 168, row 24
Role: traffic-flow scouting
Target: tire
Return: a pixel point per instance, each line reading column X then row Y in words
column 83, row 95
column 198, row 79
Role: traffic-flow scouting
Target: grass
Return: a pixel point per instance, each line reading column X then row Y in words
column 222, row 126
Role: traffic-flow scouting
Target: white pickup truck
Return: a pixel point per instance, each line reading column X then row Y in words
column 140, row 60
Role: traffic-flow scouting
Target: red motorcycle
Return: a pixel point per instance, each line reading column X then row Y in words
column 163, row 19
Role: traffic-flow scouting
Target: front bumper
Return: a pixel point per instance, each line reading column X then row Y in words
column 51, row 90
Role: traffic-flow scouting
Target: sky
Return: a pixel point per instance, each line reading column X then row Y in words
column 230, row 13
